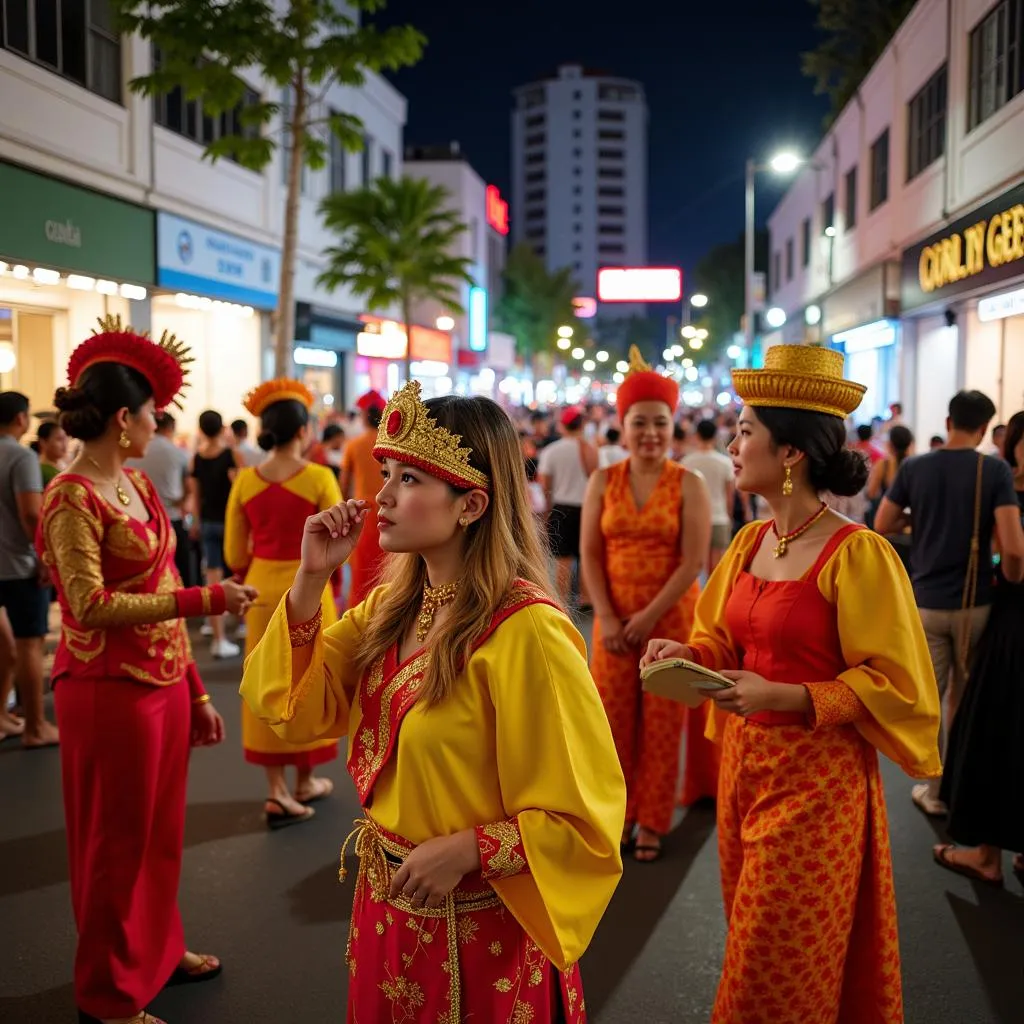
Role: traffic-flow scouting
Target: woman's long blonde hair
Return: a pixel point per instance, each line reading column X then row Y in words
column 501, row 547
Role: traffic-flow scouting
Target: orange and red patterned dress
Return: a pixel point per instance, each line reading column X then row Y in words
column 642, row 548
column 803, row 837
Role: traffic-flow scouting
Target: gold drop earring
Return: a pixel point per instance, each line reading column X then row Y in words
column 787, row 483
column 124, row 441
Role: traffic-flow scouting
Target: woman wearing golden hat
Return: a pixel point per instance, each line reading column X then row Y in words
column 129, row 699
column 813, row 619
column 262, row 536
column 481, row 754
column 647, row 511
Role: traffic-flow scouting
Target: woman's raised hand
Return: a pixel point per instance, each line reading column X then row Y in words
column 329, row 537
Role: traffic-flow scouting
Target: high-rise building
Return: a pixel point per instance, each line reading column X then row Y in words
column 579, row 173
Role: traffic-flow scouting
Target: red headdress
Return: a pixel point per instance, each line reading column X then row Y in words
column 371, row 400
column 163, row 363
column 642, row 384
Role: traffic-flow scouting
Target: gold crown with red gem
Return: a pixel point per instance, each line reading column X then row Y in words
column 409, row 435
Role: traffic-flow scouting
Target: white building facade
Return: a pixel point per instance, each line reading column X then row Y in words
column 106, row 206
column 901, row 242
column 579, row 174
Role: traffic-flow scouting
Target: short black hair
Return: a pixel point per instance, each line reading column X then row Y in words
column 707, row 430
column 281, row 423
column 897, row 408
column 612, row 435
column 46, row 429
column 937, row 439
column 678, row 432
column 239, row 428
column 865, row 432
column 331, row 431
column 971, row 410
column 165, row 421
column 12, row 405
column 575, row 423
column 211, row 423
column 537, row 416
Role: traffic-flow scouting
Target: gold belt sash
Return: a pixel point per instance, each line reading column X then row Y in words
column 373, row 847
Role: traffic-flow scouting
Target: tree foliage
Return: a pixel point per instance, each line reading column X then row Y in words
column 855, row 34
column 536, row 302
column 396, row 241
column 719, row 274
column 302, row 49
column 617, row 334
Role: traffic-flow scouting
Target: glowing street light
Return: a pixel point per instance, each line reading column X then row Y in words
column 776, row 317
column 678, row 350
column 565, row 332
column 602, row 356
column 622, row 366
column 701, row 335
column 564, row 344
column 445, row 323
column 699, row 300
column 785, row 162
column 578, row 353
column 589, row 365
column 696, row 343
column 619, row 376
column 734, row 351
column 689, row 331
column 668, row 355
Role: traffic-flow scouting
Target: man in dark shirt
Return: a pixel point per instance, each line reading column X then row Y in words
column 940, row 490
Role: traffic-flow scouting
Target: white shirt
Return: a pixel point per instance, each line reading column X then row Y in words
column 610, row 454
column 251, row 456
column 562, row 464
column 716, row 469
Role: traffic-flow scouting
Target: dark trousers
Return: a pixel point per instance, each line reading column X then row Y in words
column 185, row 555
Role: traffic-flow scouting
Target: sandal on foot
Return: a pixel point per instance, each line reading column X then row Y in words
column 941, row 856
column 322, row 788
column 283, row 818
column 647, row 848
column 926, row 804
column 207, row 969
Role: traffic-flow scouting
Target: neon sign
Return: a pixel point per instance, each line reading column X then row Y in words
column 639, row 284
column 585, row 306
column 497, row 210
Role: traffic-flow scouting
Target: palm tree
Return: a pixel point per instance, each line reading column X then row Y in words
column 396, row 245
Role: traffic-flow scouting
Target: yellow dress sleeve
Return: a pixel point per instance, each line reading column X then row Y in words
column 316, row 705
column 884, row 644
column 73, row 537
column 559, row 778
column 709, row 639
column 236, row 526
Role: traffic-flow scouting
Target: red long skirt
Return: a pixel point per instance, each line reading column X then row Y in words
column 124, row 751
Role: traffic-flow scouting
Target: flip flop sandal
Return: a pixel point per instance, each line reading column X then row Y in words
column 647, row 848
column 283, row 818
column 940, row 856
column 194, row 975
column 920, row 802
column 325, row 787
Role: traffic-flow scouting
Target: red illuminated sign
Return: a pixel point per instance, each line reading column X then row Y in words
column 497, row 210
column 639, row 284
column 585, row 307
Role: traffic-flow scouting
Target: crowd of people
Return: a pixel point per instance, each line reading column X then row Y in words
column 412, row 580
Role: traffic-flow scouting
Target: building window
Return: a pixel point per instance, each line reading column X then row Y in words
column 880, row 170
column 805, row 242
column 76, row 39
column 621, row 93
column 576, row 229
column 576, row 247
column 611, row 154
column 535, row 213
column 611, row 229
column 828, row 213
column 996, row 66
column 575, row 115
column 611, row 135
column 535, row 177
column 577, row 153
column 611, row 211
column 611, row 115
column 611, row 249
column 577, row 209
column 387, row 163
column 338, row 156
column 534, row 158
column 533, row 98
column 576, row 190
column 776, row 282
column 610, row 172
column 536, row 194
column 536, row 139
column 576, row 133
column 926, row 124
column 789, row 259
column 851, row 198
column 367, row 162
column 474, row 239
column 577, row 95
column 610, row 192
column 536, row 121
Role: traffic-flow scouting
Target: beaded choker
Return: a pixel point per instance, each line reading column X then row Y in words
column 433, row 599
column 784, row 540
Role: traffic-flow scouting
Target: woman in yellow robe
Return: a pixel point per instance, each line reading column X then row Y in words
column 482, row 757
column 813, row 619
column 263, row 531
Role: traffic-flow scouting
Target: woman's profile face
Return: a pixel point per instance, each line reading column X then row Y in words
column 140, row 428
column 416, row 511
column 758, row 466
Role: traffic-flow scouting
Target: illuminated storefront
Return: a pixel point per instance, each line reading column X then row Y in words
column 381, row 350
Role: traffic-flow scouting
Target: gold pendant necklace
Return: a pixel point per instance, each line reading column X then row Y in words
column 122, row 495
column 783, row 544
column 433, row 598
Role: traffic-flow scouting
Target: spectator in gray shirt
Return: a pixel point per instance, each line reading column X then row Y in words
column 250, row 456
column 24, row 587
column 168, row 467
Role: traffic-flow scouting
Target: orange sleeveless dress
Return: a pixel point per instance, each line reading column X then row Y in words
column 641, row 551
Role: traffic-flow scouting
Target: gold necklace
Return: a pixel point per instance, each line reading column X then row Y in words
column 433, row 599
column 783, row 545
column 122, row 495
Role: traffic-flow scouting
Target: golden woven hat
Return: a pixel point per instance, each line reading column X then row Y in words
column 800, row 377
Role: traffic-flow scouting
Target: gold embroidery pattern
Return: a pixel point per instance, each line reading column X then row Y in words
column 506, row 861
column 835, row 704
column 84, row 644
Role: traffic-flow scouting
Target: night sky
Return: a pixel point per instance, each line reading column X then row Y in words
column 722, row 79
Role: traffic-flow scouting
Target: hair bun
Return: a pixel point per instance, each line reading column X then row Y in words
column 267, row 440
column 71, row 399
column 846, row 473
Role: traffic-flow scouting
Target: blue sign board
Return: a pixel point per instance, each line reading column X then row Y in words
column 478, row 319
column 215, row 264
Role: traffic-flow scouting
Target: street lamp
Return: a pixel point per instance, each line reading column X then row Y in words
column 776, row 317
column 578, row 353
column 701, row 334
column 668, row 355
column 689, row 331
column 622, row 366
column 696, row 343
column 602, row 356
column 589, row 365
column 699, row 301
column 565, row 332
column 564, row 343
column 785, row 162
column 445, row 323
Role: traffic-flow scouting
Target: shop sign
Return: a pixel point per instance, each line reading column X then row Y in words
column 999, row 307
column 61, row 226
column 194, row 258
column 497, row 210
column 983, row 248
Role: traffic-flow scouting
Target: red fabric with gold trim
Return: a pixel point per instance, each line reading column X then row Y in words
column 385, row 700
column 646, row 386
column 502, row 854
column 163, row 363
column 403, row 961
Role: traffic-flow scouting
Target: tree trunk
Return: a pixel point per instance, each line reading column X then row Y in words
column 284, row 327
column 407, row 317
